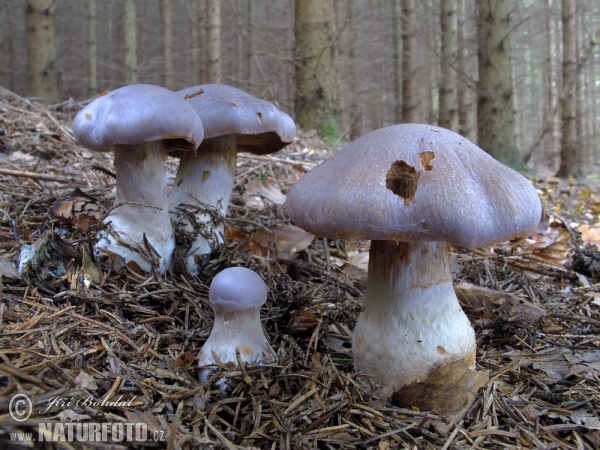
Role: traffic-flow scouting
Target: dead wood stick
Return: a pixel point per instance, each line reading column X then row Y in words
column 15, row 371
column 37, row 176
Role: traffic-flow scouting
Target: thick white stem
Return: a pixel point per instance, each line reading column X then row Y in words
column 204, row 182
column 412, row 322
column 142, row 196
column 239, row 329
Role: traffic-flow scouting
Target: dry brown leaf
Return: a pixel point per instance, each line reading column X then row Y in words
column 501, row 305
column 86, row 381
column 449, row 390
column 550, row 247
column 148, row 418
column 78, row 212
column 258, row 189
column 282, row 241
column 302, row 323
column 233, row 234
column 185, row 360
column 20, row 156
column 7, row 269
column 589, row 235
column 357, row 266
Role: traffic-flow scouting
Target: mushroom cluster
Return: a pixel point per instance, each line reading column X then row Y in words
column 143, row 124
column 413, row 190
column 138, row 123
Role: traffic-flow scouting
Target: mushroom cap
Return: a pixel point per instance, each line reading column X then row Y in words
column 134, row 115
column 415, row 182
column 237, row 288
column 260, row 127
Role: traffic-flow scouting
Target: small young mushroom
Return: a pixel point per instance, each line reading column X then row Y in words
column 413, row 190
column 234, row 121
column 236, row 295
column 134, row 122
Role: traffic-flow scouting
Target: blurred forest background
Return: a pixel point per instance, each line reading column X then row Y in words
column 519, row 77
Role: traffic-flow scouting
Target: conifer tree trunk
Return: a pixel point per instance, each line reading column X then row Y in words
column 569, row 162
column 130, row 43
column 398, row 61
column 317, row 105
column 167, row 44
column 448, row 115
column 409, row 63
column 495, row 114
column 92, row 50
column 466, row 96
column 213, row 35
column 42, row 50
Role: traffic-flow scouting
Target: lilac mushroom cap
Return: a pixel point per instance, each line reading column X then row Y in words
column 134, row 122
column 234, row 121
column 413, row 189
column 236, row 295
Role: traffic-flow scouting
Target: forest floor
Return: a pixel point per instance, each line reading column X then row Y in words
column 71, row 328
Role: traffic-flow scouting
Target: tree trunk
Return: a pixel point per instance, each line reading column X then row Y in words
column 495, row 115
column 252, row 23
column 42, row 50
column 167, row 44
column 213, row 35
column 130, row 43
column 409, row 63
column 203, row 39
column 551, row 88
column 448, row 115
column 356, row 106
column 569, row 164
column 195, row 44
column 397, row 72
column 466, row 97
column 316, row 89
column 92, row 51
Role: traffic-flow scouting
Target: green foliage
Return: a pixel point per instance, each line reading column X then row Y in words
column 329, row 131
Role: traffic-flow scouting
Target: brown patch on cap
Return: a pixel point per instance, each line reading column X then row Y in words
column 206, row 175
column 402, row 180
column 426, row 158
column 195, row 94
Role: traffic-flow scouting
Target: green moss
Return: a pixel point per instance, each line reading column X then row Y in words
column 329, row 131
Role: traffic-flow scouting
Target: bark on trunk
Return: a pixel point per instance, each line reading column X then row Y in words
column 495, row 114
column 167, row 43
column 92, row 50
column 213, row 35
column 570, row 166
column 448, row 115
column 42, row 50
column 409, row 64
column 130, row 43
column 317, row 105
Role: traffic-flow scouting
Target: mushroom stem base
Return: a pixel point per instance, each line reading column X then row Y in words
column 241, row 330
column 412, row 322
column 200, row 197
column 138, row 229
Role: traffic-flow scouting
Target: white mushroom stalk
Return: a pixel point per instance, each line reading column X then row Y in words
column 200, row 196
column 236, row 295
column 126, row 236
column 412, row 322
